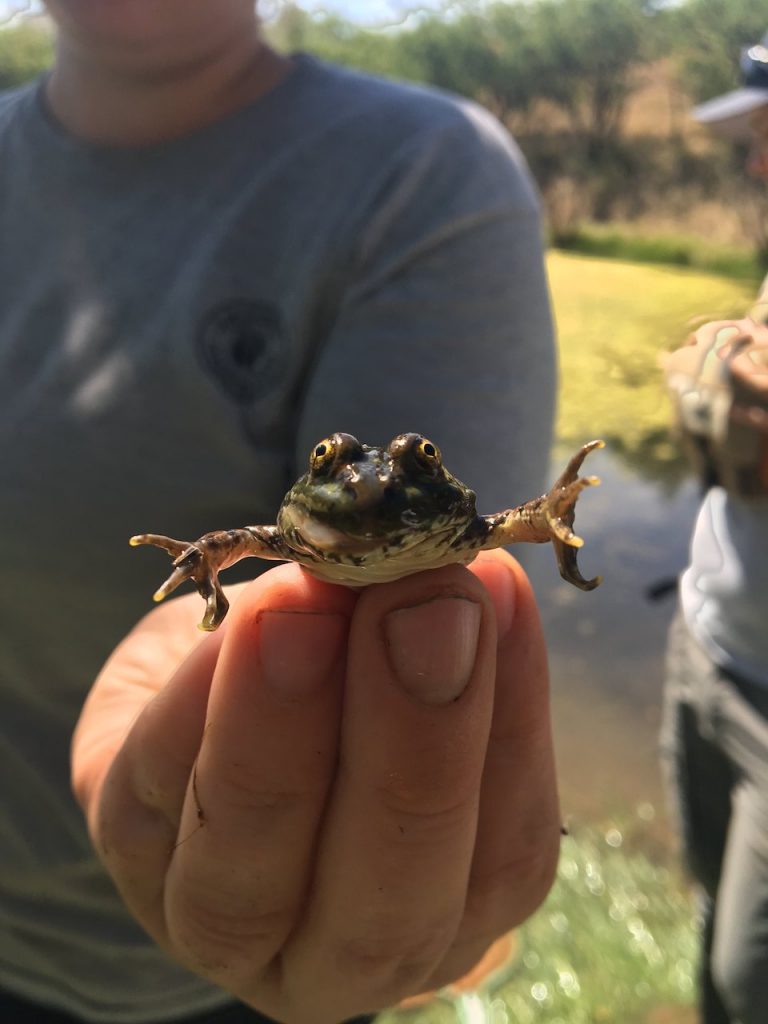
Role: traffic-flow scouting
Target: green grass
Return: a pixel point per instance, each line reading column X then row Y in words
column 673, row 250
column 614, row 940
column 614, row 320
column 613, row 943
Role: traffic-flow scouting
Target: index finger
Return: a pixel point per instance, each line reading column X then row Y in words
column 237, row 879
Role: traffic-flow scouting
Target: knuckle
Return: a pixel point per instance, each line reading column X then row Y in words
column 397, row 965
column 254, row 807
column 428, row 829
column 421, row 815
column 224, row 943
column 473, row 960
column 517, row 886
column 127, row 833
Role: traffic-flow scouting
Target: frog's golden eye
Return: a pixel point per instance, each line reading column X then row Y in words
column 408, row 449
column 428, row 450
column 335, row 450
column 323, row 454
column 427, row 453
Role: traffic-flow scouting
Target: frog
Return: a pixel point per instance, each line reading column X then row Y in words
column 363, row 514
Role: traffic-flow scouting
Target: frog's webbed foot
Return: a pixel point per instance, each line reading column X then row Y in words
column 197, row 562
column 550, row 518
column 203, row 559
column 559, row 506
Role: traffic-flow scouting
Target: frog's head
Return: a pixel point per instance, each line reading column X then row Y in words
column 356, row 499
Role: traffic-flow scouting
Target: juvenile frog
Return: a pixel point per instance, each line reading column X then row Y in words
column 365, row 515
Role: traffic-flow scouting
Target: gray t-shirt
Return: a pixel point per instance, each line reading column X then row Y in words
column 178, row 325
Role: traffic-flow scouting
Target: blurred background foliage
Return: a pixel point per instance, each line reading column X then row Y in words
column 25, row 50
column 597, row 93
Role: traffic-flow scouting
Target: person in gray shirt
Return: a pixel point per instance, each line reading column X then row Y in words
column 211, row 257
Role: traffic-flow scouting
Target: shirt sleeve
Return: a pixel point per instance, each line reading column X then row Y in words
column 445, row 327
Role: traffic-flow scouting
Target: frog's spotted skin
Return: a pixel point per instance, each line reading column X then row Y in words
column 365, row 515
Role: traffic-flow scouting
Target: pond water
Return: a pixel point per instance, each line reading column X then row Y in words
column 607, row 646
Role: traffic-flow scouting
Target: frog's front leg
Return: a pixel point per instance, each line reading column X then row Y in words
column 550, row 518
column 202, row 560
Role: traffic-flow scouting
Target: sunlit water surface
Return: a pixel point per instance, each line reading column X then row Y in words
column 607, row 646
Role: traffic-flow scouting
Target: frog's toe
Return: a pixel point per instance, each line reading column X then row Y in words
column 175, row 548
column 561, row 507
column 567, row 563
column 177, row 577
column 216, row 604
column 561, row 531
column 571, row 471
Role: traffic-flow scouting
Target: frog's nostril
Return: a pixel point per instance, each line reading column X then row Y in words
column 365, row 489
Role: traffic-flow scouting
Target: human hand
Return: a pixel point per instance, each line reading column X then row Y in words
column 294, row 823
column 719, row 382
column 720, row 349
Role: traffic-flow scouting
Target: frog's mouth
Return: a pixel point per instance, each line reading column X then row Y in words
column 321, row 537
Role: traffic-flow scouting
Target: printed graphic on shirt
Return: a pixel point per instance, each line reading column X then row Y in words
column 240, row 342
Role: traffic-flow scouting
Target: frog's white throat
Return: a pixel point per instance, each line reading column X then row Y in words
column 323, row 537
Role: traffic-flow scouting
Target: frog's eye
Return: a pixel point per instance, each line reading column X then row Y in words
column 410, row 448
column 428, row 451
column 427, row 454
column 336, row 449
column 323, row 454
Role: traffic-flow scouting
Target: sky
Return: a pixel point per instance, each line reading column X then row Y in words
column 370, row 12
column 364, row 12
column 373, row 12
column 10, row 7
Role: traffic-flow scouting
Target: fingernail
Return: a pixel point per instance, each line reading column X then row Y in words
column 432, row 647
column 297, row 650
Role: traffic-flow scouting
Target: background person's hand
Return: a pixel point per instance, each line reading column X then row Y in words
column 719, row 383
column 338, row 800
column 701, row 359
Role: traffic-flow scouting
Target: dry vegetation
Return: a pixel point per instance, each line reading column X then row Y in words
column 666, row 177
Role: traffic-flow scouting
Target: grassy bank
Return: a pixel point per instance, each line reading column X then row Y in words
column 614, row 943
column 673, row 250
column 614, row 320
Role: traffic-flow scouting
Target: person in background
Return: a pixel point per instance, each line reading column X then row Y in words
column 715, row 732
column 213, row 256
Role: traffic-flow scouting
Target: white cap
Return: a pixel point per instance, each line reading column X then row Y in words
column 730, row 115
